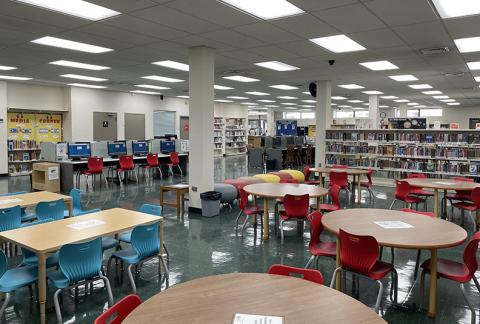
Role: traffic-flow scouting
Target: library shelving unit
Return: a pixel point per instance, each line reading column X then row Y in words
column 21, row 155
column 218, row 130
column 235, row 136
column 395, row 152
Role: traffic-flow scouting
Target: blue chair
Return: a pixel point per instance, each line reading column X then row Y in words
column 155, row 210
column 79, row 264
column 26, row 217
column 145, row 246
column 78, row 210
column 30, row 258
column 50, row 209
column 10, row 218
column 13, row 279
column 107, row 241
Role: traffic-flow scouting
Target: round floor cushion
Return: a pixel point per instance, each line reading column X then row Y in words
column 251, row 180
column 298, row 175
column 270, row 178
column 228, row 191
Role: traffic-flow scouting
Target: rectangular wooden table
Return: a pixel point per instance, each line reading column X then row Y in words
column 31, row 199
column 45, row 239
column 180, row 190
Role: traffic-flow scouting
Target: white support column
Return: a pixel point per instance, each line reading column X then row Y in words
column 271, row 122
column 323, row 120
column 403, row 108
column 373, row 112
column 201, row 80
column 3, row 128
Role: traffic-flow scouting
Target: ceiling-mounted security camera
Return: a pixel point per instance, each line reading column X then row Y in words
column 331, row 62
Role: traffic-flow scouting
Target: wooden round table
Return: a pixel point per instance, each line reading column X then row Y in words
column 279, row 190
column 355, row 173
column 424, row 233
column 216, row 300
column 441, row 184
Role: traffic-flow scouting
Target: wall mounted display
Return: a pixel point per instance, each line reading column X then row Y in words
column 286, row 127
column 407, row 123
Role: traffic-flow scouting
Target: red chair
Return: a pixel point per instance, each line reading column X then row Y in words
column 459, row 195
column 296, row 208
column 456, row 271
column 403, row 193
column 126, row 166
column 368, row 184
column 152, row 164
column 340, row 179
column 307, row 173
column 334, row 192
column 316, row 247
column 174, row 162
column 95, row 167
column 471, row 206
column 339, row 166
column 359, row 255
column 247, row 210
column 279, row 201
column 420, row 191
column 306, row 274
column 119, row 311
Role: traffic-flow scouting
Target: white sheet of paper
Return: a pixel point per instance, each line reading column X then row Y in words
column 443, row 183
column 10, row 201
column 393, row 224
column 86, row 224
column 256, row 319
column 53, row 173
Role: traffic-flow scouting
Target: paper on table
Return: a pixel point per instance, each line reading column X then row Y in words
column 86, row 224
column 9, row 201
column 256, row 319
column 393, row 224
column 443, row 183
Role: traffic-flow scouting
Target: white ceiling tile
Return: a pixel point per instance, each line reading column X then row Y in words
column 233, row 38
column 423, row 33
column 395, row 13
column 312, row 5
column 379, row 38
column 463, row 27
column 125, row 6
column 266, row 32
column 306, row 26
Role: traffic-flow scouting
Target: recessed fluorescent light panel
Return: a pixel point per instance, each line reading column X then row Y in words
column 79, row 65
column 249, row 103
column 223, row 100
column 237, row 97
column 402, row 100
column 150, row 86
column 266, row 100
column 355, row 101
column 257, row 93
column 265, row 9
column 184, row 97
column 477, row 78
column 83, row 85
column 288, row 103
column 309, row 101
column 412, row 104
column 173, row 65
column 379, row 65
column 432, row 92
column 338, row 44
column 11, row 77
column 338, row 98
column 272, row 106
column 287, row 97
column 403, row 78
column 383, row 106
column 474, row 65
column 240, row 78
column 220, row 87
column 389, row 97
column 441, row 97
column 283, row 87
column 351, row 86
column 306, row 92
column 458, row 8
column 374, row 92
column 468, row 45
column 146, row 92
column 71, row 45
column 277, row 66
column 7, row 68
column 161, row 78
column 420, row 86
column 344, row 106
column 77, row 8
column 82, row 77
column 453, row 103
column 447, row 100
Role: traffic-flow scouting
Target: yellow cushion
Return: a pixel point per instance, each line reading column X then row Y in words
column 270, row 178
column 251, row 180
column 297, row 175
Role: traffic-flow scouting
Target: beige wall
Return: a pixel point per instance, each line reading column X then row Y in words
column 3, row 128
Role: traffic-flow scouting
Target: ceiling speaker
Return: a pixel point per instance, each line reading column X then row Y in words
column 312, row 87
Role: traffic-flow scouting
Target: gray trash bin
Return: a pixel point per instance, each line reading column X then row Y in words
column 210, row 203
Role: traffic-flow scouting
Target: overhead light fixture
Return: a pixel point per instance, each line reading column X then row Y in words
column 272, row 106
column 474, row 65
column 83, row 85
column 477, row 78
column 184, row 97
column 453, row 103
column 441, row 97
column 468, row 45
column 307, row 106
column 257, row 93
column 458, row 8
column 240, row 78
column 379, row 65
column 71, row 45
column 83, row 77
column 266, row 100
column 355, row 101
column 338, row 98
column 420, row 86
column 351, row 86
column 7, row 68
column 265, row 9
column 333, row 104
column 146, row 92
column 161, row 78
column 432, row 92
column 309, row 101
column 223, row 100
column 287, row 97
column 383, row 106
column 249, row 103
column 389, row 97
column 173, row 65
column 338, row 44
column 402, row 100
column 220, row 87
column 79, row 65
column 366, row 104
column 403, row 77
column 306, row 92
column 374, row 92
column 344, row 106
column 288, row 103
column 277, row 66
column 283, row 87
column 11, row 77
column 447, row 100
column 237, row 97
column 412, row 104
column 150, row 86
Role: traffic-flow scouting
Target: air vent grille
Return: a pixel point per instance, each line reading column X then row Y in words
column 435, row 50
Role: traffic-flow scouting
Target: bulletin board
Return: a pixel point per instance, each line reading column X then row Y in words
column 49, row 128
column 286, row 127
column 312, row 130
column 21, row 126
column 31, row 126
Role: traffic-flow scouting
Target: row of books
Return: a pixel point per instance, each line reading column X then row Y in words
column 466, row 138
column 23, row 156
column 21, row 144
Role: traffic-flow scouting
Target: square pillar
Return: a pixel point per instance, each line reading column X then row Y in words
column 323, row 120
column 403, row 108
column 373, row 113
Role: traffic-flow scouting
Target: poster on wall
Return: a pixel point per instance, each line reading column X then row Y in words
column 49, row 128
column 407, row 123
column 286, row 127
column 312, row 130
column 21, row 126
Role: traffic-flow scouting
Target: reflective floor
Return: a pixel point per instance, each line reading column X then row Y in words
column 207, row 246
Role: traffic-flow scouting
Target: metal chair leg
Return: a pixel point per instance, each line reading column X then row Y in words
column 417, row 265
column 312, row 258
column 8, row 296
column 379, row 296
column 334, row 276
column 281, row 231
column 472, row 309
column 236, row 222
column 131, row 278
column 109, row 288
column 57, row 306
column 392, row 204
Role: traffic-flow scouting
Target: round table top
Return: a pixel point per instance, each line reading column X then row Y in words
column 279, row 190
column 444, row 184
column 349, row 170
column 425, row 232
column 216, row 300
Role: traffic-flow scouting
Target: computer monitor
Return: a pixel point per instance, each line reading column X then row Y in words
column 78, row 151
column 167, row 146
column 277, row 141
column 139, row 147
column 290, row 140
column 117, row 148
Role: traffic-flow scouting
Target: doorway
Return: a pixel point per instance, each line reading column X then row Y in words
column 104, row 126
column 134, row 126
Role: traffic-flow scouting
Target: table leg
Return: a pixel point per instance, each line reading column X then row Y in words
column 338, row 279
column 435, row 202
column 265, row 218
column 444, row 205
column 178, row 204
column 322, row 179
column 318, row 203
column 42, row 285
column 160, row 251
column 359, row 190
column 432, row 299
column 161, row 197
column 69, row 204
